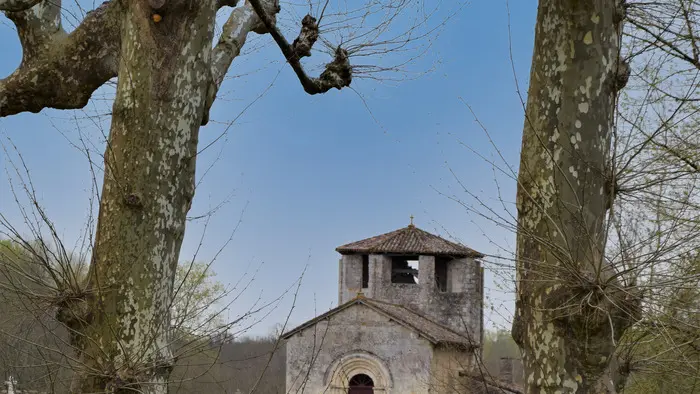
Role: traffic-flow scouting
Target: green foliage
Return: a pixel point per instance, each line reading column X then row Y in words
column 664, row 348
column 197, row 294
column 31, row 276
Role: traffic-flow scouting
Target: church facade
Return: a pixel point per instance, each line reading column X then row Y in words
column 409, row 320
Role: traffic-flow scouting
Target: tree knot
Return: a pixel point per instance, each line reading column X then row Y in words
column 622, row 75
column 226, row 3
column 162, row 365
column 118, row 378
column 338, row 73
column 72, row 308
column 133, row 200
column 307, row 37
column 156, row 4
column 620, row 12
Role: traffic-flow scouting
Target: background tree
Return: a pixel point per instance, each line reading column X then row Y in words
column 29, row 335
column 196, row 297
column 499, row 344
column 655, row 228
column 663, row 350
column 34, row 345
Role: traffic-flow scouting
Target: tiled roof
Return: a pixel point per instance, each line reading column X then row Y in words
column 409, row 240
column 436, row 333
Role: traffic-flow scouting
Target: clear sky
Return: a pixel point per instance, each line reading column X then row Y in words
column 306, row 174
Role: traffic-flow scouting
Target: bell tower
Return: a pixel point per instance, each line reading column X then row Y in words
column 423, row 272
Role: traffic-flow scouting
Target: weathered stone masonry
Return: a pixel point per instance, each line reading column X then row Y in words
column 409, row 320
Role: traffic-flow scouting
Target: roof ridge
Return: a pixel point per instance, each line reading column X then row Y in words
column 416, row 313
column 381, row 301
column 409, row 240
column 468, row 337
column 405, row 323
column 320, row 317
column 420, row 314
column 393, row 311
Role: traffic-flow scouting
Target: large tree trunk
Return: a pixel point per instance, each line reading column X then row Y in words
column 148, row 188
column 570, row 309
column 169, row 74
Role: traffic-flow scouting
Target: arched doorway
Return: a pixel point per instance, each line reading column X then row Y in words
column 361, row 384
column 358, row 372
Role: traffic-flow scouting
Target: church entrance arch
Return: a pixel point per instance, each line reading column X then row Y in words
column 358, row 373
column 361, row 384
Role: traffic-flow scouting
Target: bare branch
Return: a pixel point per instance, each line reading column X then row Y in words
column 307, row 37
column 235, row 31
column 338, row 73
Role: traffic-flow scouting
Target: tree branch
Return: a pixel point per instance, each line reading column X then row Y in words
column 689, row 161
column 17, row 5
column 242, row 21
column 38, row 27
column 61, row 70
column 226, row 3
column 668, row 47
column 338, row 73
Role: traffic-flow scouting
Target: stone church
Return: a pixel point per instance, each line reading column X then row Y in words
column 409, row 321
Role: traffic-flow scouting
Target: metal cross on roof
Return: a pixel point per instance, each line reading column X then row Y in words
column 411, row 220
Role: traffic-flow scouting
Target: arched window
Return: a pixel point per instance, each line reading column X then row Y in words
column 361, row 384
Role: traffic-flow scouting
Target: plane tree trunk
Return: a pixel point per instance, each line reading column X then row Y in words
column 147, row 192
column 168, row 74
column 570, row 307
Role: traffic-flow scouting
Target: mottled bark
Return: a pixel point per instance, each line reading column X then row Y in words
column 168, row 78
column 235, row 31
column 570, row 308
column 59, row 70
column 17, row 5
column 147, row 192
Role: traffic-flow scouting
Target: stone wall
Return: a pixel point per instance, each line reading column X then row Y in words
column 358, row 340
column 459, row 308
column 350, row 278
column 446, row 370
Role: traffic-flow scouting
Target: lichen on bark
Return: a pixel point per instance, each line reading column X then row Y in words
column 570, row 309
column 164, row 74
column 168, row 76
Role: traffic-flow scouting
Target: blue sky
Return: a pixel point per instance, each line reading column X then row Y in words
column 306, row 174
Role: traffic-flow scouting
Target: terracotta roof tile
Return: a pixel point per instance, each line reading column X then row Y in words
column 408, row 240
